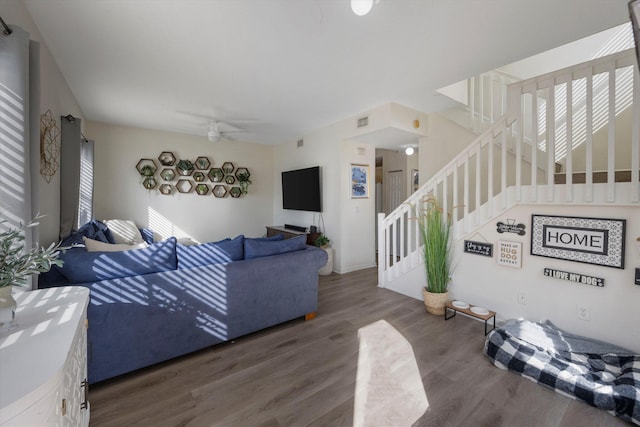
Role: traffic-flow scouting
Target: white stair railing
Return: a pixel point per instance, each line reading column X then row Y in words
column 507, row 164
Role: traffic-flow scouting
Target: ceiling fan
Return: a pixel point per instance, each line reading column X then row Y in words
column 215, row 134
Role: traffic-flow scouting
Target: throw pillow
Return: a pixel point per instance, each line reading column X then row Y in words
column 226, row 250
column 275, row 238
column 124, row 231
column 96, row 246
column 254, row 248
column 81, row 266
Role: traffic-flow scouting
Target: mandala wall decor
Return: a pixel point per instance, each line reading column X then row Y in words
column 49, row 146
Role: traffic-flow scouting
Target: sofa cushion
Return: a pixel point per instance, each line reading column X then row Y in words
column 226, row 250
column 97, row 246
column 275, row 238
column 81, row 266
column 94, row 229
column 254, row 248
column 124, row 231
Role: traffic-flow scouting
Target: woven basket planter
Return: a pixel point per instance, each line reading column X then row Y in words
column 434, row 303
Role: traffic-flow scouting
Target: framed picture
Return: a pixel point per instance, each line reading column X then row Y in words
column 509, row 253
column 359, row 181
column 415, row 179
column 589, row 240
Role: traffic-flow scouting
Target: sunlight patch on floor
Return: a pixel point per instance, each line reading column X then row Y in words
column 389, row 389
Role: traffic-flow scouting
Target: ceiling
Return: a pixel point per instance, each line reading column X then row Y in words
column 283, row 68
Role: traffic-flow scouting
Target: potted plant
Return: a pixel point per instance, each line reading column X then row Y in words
column 322, row 241
column 18, row 263
column 185, row 167
column 244, row 181
column 435, row 230
column 147, row 170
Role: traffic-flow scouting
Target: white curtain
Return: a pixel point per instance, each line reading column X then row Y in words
column 19, row 127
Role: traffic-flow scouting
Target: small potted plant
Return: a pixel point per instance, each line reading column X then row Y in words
column 147, row 170
column 244, row 181
column 18, row 263
column 322, row 241
column 185, row 167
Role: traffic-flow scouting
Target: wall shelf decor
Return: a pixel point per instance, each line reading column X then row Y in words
column 242, row 172
column 166, row 158
column 202, row 189
column 235, row 192
column 168, row 174
column 202, row 163
column 227, row 167
column 219, row 191
column 216, row 175
column 166, row 189
column 149, row 183
column 184, row 186
column 185, row 167
column 146, row 167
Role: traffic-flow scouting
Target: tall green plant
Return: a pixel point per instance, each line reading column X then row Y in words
column 435, row 230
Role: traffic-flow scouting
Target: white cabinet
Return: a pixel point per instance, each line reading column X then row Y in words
column 43, row 361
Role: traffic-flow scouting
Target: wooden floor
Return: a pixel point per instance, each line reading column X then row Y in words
column 313, row 373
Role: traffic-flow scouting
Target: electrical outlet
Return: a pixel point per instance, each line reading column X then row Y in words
column 522, row 299
column 584, row 312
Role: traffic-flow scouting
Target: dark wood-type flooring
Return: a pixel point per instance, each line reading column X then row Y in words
column 304, row 374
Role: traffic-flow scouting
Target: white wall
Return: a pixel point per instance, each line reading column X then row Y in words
column 119, row 194
column 443, row 142
column 55, row 96
column 614, row 307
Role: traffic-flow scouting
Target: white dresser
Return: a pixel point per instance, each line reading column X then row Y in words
column 43, row 362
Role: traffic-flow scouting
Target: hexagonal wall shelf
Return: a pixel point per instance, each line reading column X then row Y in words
column 166, row 158
column 184, row 186
column 202, row 163
column 216, row 175
column 199, row 176
column 167, row 174
column 227, row 167
column 235, row 192
column 202, row 189
column 149, row 183
column 219, row 191
column 230, row 179
column 165, row 189
column 146, row 167
column 242, row 171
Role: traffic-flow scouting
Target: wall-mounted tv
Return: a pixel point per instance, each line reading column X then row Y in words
column 301, row 190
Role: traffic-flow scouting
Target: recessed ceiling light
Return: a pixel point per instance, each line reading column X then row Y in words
column 361, row 7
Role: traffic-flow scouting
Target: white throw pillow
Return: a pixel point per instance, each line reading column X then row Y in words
column 97, row 246
column 124, row 231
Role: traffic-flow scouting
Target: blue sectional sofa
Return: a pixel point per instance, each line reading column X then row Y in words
column 153, row 304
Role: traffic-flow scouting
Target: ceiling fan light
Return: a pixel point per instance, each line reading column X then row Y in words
column 361, row 7
column 409, row 151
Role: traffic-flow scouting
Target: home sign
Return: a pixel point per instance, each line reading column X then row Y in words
column 590, row 240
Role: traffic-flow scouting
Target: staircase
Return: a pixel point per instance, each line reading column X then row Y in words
column 569, row 121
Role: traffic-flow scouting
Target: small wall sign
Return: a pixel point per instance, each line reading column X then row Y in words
column 478, row 248
column 637, row 280
column 509, row 253
column 511, row 227
column 574, row 277
column 590, row 240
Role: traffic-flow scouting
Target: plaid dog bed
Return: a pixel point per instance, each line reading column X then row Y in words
column 600, row 374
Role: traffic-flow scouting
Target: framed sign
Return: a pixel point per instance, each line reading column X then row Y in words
column 574, row 277
column 359, row 181
column 478, row 248
column 589, row 240
column 509, row 253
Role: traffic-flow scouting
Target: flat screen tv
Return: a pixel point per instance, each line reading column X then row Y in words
column 301, row 190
